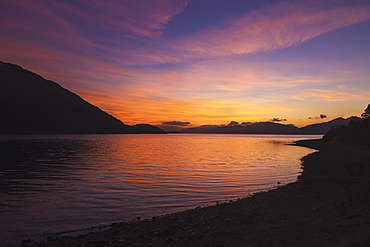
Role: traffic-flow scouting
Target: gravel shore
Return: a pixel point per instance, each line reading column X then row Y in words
column 329, row 205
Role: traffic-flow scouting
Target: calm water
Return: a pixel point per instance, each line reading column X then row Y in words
column 51, row 184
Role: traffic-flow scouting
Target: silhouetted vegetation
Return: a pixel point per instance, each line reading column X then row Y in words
column 358, row 131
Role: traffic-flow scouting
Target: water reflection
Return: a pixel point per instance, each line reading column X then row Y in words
column 36, row 165
column 72, row 182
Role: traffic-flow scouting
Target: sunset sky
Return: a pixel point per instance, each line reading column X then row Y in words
column 198, row 61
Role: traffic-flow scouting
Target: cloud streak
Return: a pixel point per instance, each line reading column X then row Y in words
column 332, row 95
column 275, row 27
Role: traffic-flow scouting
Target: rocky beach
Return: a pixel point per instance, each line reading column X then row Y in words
column 329, row 205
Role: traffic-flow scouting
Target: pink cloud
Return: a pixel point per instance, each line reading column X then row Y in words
column 274, row 27
column 141, row 18
column 129, row 32
column 125, row 32
column 145, row 18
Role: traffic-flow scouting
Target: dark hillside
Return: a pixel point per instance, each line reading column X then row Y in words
column 358, row 130
column 322, row 128
column 29, row 104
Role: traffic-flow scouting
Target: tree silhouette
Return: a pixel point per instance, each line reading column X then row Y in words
column 358, row 131
column 366, row 113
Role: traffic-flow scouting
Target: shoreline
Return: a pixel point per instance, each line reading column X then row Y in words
column 327, row 206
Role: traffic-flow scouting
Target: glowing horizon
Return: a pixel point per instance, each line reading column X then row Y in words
column 201, row 61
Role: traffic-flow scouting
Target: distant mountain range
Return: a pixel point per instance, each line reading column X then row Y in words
column 322, row 128
column 269, row 128
column 29, row 104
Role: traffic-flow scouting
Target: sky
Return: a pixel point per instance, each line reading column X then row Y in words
column 198, row 62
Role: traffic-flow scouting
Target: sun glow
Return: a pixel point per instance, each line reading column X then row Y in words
column 158, row 61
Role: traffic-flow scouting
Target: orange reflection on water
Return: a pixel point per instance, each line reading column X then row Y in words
column 216, row 165
column 53, row 183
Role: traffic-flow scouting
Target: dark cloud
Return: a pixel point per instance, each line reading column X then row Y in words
column 176, row 123
column 233, row 123
column 322, row 116
column 276, row 119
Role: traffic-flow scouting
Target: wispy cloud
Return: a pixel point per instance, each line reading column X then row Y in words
column 129, row 32
column 145, row 18
column 332, row 95
column 274, row 27
column 123, row 32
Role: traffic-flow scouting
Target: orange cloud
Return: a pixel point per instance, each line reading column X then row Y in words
column 330, row 95
column 145, row 105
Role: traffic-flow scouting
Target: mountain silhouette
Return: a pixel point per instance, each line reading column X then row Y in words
column 148, row 129
column 270, row 128
column 257, row 128
column 322, row 128
column 357, row 131
column 199, row 129
column 30, row 104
